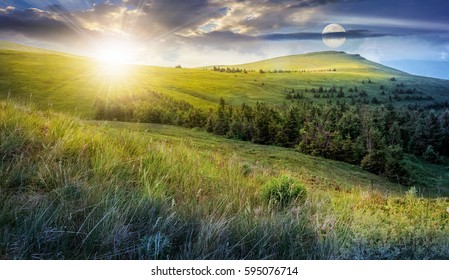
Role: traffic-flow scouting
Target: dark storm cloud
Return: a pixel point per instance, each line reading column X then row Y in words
column 36, row 24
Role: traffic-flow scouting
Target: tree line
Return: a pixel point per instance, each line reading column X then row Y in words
column 374, row 138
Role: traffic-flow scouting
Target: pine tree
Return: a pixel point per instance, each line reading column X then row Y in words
column 390, row 116
column 291, row 128
column 445, row 130
column 261, row 124
column 374, row 161
column 394, row 170
column 394, row 134
column 236, row 129
column 434, row 131
column 222, row 122
column 430, row 154
column 419, row 139
column 210, row 122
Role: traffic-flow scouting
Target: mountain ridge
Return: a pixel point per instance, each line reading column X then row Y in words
column 315, row 61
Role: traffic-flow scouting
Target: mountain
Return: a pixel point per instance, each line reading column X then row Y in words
column 340, row 61
column 434, row 69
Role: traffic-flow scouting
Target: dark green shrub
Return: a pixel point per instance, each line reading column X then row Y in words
column 283, row 190
column 374, row 162
column 430, row 155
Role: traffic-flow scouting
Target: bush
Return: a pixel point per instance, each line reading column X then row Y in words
column 282, row 190
column 430, row 155
column 396, row 172
column 374, row 162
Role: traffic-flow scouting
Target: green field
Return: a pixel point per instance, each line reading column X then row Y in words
column 70, row 83
column 72, row 187
column 75, row 189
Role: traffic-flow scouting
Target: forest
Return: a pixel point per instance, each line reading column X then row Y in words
column 374, row 137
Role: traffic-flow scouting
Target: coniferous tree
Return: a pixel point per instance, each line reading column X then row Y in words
column 236, row 129
column 445, row 131
column 394, row 170
column 291, row 127
column 419, row 139
column 261, row 124
column 374, row 161
column 430, row 154
column 394, row 134
column 434, row 131
column 222, row 121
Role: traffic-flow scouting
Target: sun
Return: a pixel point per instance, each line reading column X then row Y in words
column 114, row 58
column 115, row 52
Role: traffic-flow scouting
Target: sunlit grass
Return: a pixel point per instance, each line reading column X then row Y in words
column 72, row 84
column 77, row 189
column 71, row 189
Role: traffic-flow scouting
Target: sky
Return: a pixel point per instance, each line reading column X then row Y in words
column 213, row 32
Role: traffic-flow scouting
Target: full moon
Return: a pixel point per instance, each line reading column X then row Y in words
column 332, row 35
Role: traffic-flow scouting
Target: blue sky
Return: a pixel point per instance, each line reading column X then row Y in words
column 206, row 32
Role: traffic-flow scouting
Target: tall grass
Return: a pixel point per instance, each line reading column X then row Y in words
column 70, row 190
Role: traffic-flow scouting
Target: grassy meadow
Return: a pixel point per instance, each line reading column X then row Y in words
column 72, row 187
column 72, row 84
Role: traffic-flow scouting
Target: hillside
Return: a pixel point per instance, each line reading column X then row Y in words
column 321, row 61
column 5, row 45
column 86, row 190
column 70, row 83
column 77, row 188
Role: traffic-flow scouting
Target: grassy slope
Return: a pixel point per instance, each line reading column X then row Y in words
column 431, row 179
column 320, row 61
column 4, row 45
column 351, row 71
column 70, row 83
column 73, row 189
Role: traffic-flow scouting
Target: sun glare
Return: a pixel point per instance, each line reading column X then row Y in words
column 115, row 58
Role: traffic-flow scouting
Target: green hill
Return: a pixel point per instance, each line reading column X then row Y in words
column 320, row 61
column 73, row 189
column 70, row 83
column 5, row 45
